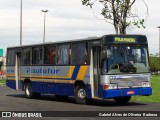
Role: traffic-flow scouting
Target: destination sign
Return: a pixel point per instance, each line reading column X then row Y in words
column 124, row 39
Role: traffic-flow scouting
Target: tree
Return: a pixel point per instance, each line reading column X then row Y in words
column 118, row 13
column 1, row 64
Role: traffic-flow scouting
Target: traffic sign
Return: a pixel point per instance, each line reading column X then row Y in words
column 1, row 52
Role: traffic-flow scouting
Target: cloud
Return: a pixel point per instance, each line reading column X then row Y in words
column 65, row 20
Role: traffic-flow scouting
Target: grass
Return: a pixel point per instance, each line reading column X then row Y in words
column 155, row 97
column 2, row 82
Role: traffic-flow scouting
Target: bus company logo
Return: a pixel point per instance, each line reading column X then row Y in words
column 130, row 84
column 41, row 70
column 6, row 114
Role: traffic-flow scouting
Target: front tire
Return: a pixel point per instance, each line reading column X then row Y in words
column 122, row 100
column 81, row 95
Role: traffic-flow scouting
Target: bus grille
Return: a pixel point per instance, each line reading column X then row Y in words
column 129, row 82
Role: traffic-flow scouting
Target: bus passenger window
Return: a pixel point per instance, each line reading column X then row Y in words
column 11, row 57
column 79, row 54
column 49, row 54
column 26, row 56
column 37, row 55
column 63, row 54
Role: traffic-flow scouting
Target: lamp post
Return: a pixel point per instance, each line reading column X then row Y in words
column 159, row 42
column 44, row 11
column 21, row 23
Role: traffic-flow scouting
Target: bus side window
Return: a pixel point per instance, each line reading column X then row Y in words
column 37, row 55
column 63, row 54
column 79, row 53
column 49, row 54
column 26, row 56
column 11, row 57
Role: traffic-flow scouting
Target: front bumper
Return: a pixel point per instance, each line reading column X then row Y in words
column 126, row 92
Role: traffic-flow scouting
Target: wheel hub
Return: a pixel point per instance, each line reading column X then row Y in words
column 82, row 93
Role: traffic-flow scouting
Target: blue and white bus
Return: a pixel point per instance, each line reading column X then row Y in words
column 108, row 67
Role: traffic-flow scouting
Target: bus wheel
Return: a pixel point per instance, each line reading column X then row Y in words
column 29, row 93
column 81, row 95
column 28, row 90
column 122, row 100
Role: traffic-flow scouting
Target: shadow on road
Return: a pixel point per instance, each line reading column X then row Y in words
column 101, row 103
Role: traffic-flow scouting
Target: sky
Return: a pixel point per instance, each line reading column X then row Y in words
column 67, row 20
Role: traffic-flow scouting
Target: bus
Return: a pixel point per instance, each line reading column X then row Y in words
column 108, row 67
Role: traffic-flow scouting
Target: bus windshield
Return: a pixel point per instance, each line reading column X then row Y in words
column 124, row 59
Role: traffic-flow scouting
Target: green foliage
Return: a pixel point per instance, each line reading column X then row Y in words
column 154, row 62
column 139, row 23
column 87, row 3
column 2, row 82
column 1, row 63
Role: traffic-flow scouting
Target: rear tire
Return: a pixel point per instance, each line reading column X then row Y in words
column 122, row 100
column 29, row 93
column 28, row 90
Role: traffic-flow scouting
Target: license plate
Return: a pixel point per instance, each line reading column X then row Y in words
column 130, row 92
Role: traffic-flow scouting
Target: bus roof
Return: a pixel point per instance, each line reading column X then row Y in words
column 59, row 42
column 80, row 40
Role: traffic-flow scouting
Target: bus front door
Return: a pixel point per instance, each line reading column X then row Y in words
column 96, row 70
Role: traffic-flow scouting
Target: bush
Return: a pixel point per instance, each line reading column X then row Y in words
column 154, row 63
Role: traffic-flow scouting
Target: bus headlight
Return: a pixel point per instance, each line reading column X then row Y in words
column 146, row 84
column 110, row 86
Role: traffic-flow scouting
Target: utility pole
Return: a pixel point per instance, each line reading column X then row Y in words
column 21, row 23
column 44, row 11
column 159, row 42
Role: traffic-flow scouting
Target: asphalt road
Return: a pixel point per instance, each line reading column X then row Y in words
column 12, row 100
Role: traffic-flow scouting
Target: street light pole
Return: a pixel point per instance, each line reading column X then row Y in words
column 44, row 11
column 159, row 42
column 21, row 23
